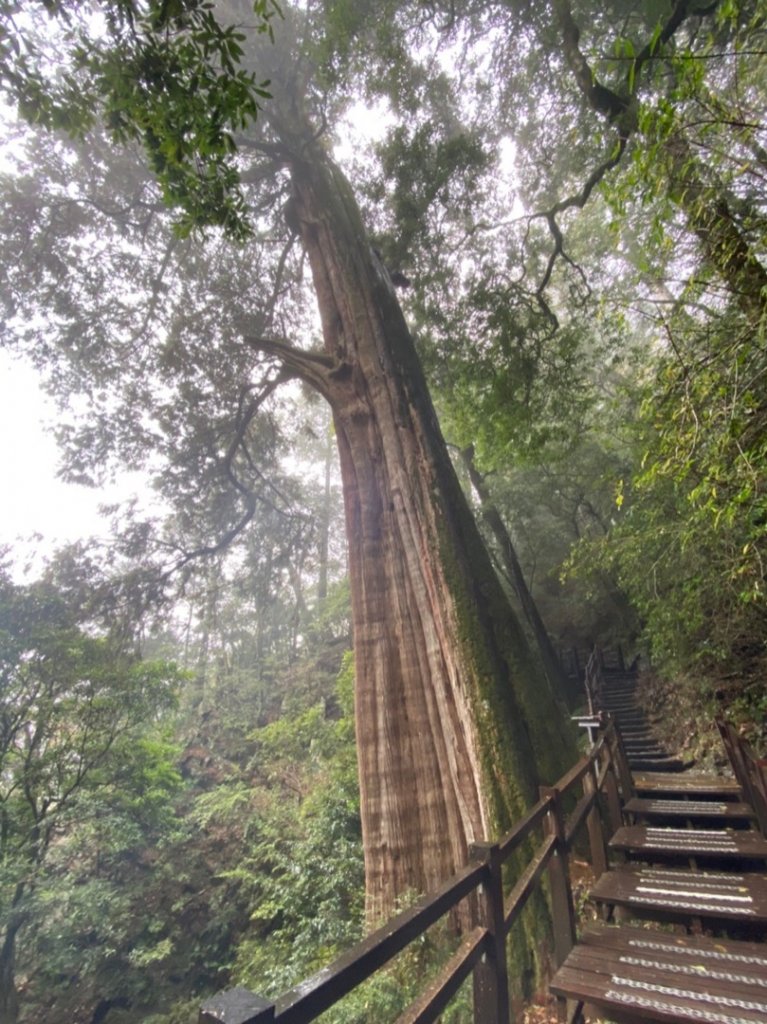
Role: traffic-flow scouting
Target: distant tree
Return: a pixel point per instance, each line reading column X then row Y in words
column 72, row 710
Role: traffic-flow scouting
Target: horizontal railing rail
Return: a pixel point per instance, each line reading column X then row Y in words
column 482, row 953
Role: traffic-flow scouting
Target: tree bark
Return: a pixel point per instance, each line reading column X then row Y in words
column 724, row 245
column 324, row 539
column 454, row 731
column 9, row 996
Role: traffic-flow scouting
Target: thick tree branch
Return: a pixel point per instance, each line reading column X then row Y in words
column 681, row 12
column 316, row 369
column 601, row 99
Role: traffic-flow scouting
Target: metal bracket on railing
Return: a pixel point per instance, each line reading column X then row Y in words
column 592, row 723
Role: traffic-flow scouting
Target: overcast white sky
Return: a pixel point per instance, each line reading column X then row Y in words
column 33, row 499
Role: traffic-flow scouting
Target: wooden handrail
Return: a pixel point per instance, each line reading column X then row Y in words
column 309, row 998
column 436, row 998
column 482, row 952
column 748, row 770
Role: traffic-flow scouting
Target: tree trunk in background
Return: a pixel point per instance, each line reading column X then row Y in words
column 9, row 997
column 705, row 205
column 324, row 542
column 454, row 722
column 726, row 249
column 494, row 521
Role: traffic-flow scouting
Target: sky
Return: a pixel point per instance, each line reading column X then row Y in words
column 34, row 500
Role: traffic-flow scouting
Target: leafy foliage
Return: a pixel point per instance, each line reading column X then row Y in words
column 73, row 709
column 167, row 74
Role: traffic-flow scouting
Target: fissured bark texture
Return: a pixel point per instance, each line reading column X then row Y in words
column 456, row 723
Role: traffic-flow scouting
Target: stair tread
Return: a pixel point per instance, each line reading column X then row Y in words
column 672, row 892
column 665, row 978
column 690, row 842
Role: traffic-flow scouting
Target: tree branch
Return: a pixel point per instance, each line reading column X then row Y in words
column 314, row 368
column 250, row 499
column 618, row 109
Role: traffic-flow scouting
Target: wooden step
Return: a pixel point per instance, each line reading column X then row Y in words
column 687, row 784
column 630, row 974
column 667, row 764
column 722, row 810
column 670, row 894
column 724, row 843
column 648, row 749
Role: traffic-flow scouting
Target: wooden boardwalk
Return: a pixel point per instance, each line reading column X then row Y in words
column 671, row 849
column 690, row 854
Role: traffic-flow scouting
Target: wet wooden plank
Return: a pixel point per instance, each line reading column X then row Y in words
column 711, row 950
column 634, row 974
column 722, row 810
column 672, row 894
column 726, row 843
column 687, row 784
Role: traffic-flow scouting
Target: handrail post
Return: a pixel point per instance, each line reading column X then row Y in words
column 236, row 1006
column 612, row 795
column 562, row 908
column 491, row 980
column 620, row 760
column 594, row 822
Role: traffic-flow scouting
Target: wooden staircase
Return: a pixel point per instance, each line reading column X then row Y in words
column 687, row 851
column 691, row 853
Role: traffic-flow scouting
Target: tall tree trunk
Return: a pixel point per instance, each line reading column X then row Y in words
column 324, row 540
column 725, row 247
column 454, row 729
column 508, row 555
column 9, row 996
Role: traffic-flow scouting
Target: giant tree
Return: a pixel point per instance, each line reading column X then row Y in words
column 454, row 716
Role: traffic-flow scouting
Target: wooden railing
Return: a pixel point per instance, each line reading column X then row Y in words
column 749, row 770
column 590, row 789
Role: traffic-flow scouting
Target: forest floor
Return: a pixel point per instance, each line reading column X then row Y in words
column 684, row 708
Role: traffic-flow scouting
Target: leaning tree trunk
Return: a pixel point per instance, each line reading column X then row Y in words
column 513, row 570
column 455, row 721
column 725, row 247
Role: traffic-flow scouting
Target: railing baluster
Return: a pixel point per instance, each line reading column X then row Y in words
column 562, row 908
column 614, row 812
column 597, row 843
